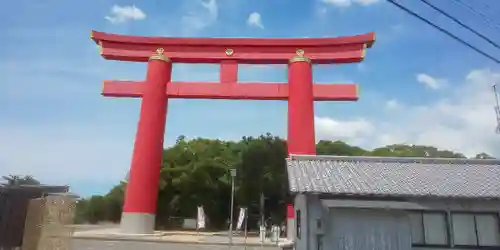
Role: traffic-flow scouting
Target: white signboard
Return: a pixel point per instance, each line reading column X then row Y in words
column 201, row 217
column 241, row 218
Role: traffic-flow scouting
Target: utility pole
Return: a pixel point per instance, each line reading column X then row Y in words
column 497, row 108
column 233, row 176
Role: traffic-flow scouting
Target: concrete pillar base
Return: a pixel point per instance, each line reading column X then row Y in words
column 137, row 223
column 290, row 229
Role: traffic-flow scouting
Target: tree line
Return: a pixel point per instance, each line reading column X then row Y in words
column 197, row 172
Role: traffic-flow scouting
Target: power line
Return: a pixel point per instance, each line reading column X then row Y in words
column 423, row 19
column 461, row 23
column 475, row 12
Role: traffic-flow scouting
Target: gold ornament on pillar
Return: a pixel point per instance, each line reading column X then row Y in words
column 229, row 52
column 159, row 55
column 300, row 57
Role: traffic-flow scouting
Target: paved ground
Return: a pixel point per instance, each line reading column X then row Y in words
column 105, row 237
column 214, row 238
column 79, row 244
column 87, row 227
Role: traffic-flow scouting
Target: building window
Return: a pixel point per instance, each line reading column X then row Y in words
column 297, row 223
column 475, row 229
column 429, row 229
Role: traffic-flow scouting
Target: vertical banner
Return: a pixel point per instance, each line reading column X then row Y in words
column 241, row 218
column 200, row 219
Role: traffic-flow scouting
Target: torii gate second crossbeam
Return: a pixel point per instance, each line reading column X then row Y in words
column 142, row 190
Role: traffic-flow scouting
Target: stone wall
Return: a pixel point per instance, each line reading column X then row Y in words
column 48, row 223
column 32, row 226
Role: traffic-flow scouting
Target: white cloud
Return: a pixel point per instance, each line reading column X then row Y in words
column 463, row 121
column 431, row 82
column 66, row 153
column 392, row 105
column 254, row 19
column 122, row 14
column 200, row 15
column 361, row 67
column 392, row 33
column 397, row 28
column 366, row 2
column 321, row 11
column 339, row 3
column 347, row 3
column 212, row 8
column 328, row 128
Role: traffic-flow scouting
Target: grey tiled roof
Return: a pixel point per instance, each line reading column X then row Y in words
column 380, row 176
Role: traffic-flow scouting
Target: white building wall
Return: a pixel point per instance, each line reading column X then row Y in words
column 300, row 204
column 375, row 229
column 317, row 214
column 313, row 209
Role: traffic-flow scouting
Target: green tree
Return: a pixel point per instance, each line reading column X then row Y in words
column 405, row 150
column 484, row 156
column 338, row 148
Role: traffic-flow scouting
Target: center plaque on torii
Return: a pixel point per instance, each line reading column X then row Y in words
column 160, row 52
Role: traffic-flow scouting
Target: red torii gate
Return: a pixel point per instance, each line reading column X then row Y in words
column 142, row 190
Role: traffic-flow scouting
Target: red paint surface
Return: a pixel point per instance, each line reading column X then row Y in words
column 142, row 189
column 246, row 50
column 232, row 91
column 348, row 54
column 229, row 71
column 278, row 43
column 300, row 109
column 290, row 212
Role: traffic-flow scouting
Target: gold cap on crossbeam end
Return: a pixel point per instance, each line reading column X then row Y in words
column 299, row 57
column 363, row 53
column 159, row 55
column 99, row 47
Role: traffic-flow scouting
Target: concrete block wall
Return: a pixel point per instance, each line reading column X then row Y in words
column 47, row 223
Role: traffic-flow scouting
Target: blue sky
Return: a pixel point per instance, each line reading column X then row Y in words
column 417, row 85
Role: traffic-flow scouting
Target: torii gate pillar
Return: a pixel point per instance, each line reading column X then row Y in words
column 301, row 137
column 139, row 209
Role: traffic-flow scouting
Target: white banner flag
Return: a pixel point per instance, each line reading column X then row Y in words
column 201, row 217
column 241, row 218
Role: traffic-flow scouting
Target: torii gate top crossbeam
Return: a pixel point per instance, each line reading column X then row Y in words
column 349, row 49
column 229, row 53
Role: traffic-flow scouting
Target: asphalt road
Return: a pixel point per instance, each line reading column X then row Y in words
column 130, row 245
